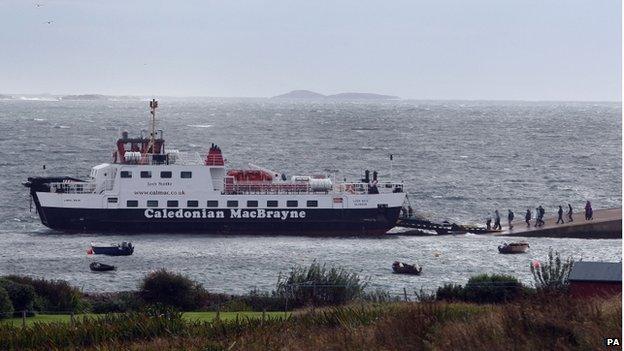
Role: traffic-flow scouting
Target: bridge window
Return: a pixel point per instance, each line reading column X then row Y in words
column 192, row 203
column 165, row 174
column 272, row 203
column 112, row 200
column 252, row 203
column 186, row 174
column 212, row 203
column 292, row 203
column 312, row 203
column 132, row 203
column 232, row 203
column 126, row 174
column 172, row 203
column 146, row 174
column 152, row 203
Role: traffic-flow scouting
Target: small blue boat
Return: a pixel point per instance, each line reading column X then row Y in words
column 123, row 249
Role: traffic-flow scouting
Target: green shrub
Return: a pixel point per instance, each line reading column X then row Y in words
column 318, row 285
column 22, row 296
column 235, row 305
column 451, row 292
column 379, row 295
column 125, row 301
column 172, row 289
column 53, row 295
column 259, row 301
column 553, row 274
column 6, row 307
column 493, row 288
column 159, row 310
column 255, row 300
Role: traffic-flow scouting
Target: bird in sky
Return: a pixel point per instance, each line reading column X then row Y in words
column 49, row 22
column 38, row 5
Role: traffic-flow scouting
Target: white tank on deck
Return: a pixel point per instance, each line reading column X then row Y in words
column 320, row 184
column 300, row 178
column 132, row 156
column 173, row 155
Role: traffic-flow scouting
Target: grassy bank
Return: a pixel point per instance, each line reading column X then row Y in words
column 554, row 323
column 190, row 316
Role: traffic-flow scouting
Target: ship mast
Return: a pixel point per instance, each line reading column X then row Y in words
column 152, row 142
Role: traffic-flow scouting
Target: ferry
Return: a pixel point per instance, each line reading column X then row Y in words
column 149, row 188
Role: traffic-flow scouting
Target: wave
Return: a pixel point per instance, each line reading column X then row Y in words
column 364, row 129
column 25, row 98
column 199, row 125
column 454, row 198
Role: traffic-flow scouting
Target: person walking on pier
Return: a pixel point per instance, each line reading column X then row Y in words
column 527, row 218
column 569, row 213
column 510, row 217
column 497, row 224
column 539, row 213
column 589, row 212
column 560, row 213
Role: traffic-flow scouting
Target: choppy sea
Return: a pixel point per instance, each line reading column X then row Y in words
column 459, row 160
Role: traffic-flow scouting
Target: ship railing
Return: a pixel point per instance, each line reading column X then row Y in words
column 187, row 158
column 356, row 188
column 266, row 188
column 361, row 188
column 179, row 158
column 73, row 187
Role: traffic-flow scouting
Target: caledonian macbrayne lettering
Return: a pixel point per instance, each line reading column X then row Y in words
column 234, row 213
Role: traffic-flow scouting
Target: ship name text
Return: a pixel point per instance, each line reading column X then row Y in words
column 233, row 213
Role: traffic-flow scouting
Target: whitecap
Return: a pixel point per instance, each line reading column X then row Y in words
column 39, row 119
column 199, row 125
column 26, row 98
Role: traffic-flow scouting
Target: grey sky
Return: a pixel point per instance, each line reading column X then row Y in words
column 498, row 49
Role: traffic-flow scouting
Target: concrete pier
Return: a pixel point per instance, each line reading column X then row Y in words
column 607, row 224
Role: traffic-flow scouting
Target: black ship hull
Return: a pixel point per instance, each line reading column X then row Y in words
column 315, row 222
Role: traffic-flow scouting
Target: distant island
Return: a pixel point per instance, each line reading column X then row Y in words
column 307, row 94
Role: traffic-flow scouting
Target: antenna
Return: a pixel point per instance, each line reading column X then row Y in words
column 153, row 107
